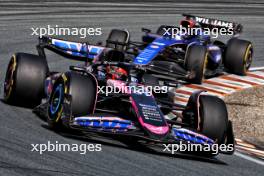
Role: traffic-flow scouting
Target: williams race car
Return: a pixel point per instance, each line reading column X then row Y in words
column 197, row 53
column 76, row 99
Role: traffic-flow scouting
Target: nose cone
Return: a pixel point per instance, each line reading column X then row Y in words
column 149, row 116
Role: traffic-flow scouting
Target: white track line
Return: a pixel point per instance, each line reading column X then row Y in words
column 231, row 83
column 257, row 73
column 248, row 78
column 180, row 102
column 222, row 89
column 189, row 89
column 181, row 95
column 250, row 150
column 249, row 158
column 256, row 68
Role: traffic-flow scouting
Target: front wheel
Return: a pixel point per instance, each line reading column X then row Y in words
column 213, row 118
column 208, row 115
column 83, row 92
column 196, row 58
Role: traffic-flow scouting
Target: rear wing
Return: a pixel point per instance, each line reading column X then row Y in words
column 214, row 23
column 69, row 49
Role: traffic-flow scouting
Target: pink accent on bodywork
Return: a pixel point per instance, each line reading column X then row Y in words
column 198, row 111
column 154, row 129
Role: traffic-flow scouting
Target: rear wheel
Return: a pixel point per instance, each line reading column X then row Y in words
column 196, row 61
column 238, row 56
column 82, row 90
column 25, row 79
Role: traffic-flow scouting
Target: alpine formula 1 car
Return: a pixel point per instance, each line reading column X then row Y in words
column 180, row 52
column 77, row 99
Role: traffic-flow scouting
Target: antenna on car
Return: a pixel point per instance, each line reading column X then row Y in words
column 87, row 53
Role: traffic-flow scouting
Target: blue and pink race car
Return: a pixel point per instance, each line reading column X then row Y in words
column 77, row 99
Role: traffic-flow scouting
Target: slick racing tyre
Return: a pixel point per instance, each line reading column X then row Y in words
column 25, row 79
column 196, row 59
column 238, row 56
column 208, row 115
column 213, row 118
column 82, row 90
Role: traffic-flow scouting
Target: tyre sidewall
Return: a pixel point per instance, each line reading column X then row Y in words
column 195, row 61
column 236, row 56
column 28, row 79
column 213, row 118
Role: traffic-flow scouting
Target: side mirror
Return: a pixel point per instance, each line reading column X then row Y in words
column 100, row 43
column 238, row 29
column 146, row 30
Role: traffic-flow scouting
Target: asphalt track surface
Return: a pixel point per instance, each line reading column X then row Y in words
column 19, row 127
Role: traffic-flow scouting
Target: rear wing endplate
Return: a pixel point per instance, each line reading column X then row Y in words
column 211, row 23
column 69, row 49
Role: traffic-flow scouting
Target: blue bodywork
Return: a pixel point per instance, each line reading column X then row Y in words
column 148, row 54
column 78, row 49
column 104, row 123
column 153, row 49
column 161, row 42
column 188, row 135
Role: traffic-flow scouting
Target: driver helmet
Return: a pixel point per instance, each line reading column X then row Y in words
column 187, row 23
column 116, row 73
